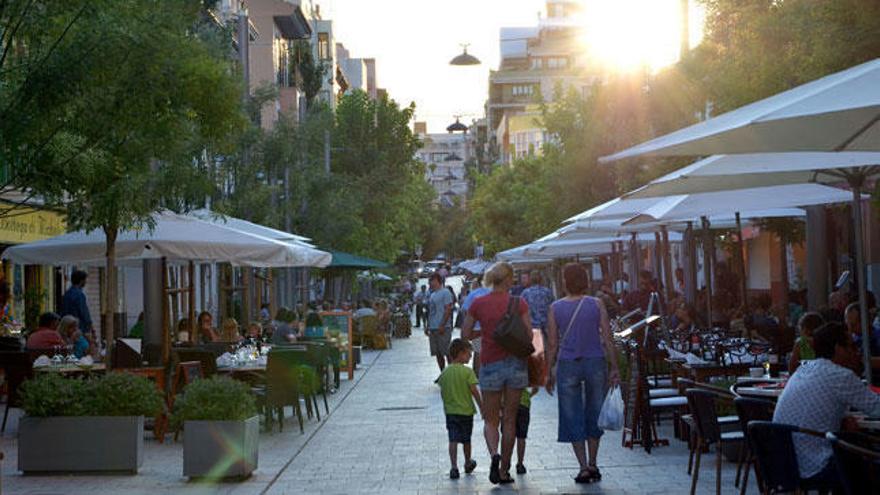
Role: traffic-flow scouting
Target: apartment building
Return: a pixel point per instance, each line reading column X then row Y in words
column 445, row 155
column 534, row 61
column 279, row 24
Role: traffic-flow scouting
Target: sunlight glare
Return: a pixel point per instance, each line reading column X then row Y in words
column 628, row 35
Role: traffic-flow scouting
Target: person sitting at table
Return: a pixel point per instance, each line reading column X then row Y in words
column 803, row 346
column 819, row 394
column 183, row 330
column 255, row 331
column 364, row 309
column 69, row 330
column 207, row 332
column 685, row 321
column 285, row 331
column 229, row 332
column 46, row 335
column 761, row 324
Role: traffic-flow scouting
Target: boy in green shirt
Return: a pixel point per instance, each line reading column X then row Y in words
column 458, row 388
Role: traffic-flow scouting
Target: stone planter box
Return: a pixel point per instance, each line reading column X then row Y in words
column 81, row 444
column 220, row 449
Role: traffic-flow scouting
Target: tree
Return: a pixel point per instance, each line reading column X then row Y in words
column 154, row 100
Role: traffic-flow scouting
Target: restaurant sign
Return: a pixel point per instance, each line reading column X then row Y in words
column 23, row 224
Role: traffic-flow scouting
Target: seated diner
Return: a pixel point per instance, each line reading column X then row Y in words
column 69, row 330
column 819, row 394
column 46, row 335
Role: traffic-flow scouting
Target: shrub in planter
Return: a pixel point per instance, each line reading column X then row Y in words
column 221, row 428
column 85, row 425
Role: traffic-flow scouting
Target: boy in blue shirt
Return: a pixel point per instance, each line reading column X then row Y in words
column 458, row 388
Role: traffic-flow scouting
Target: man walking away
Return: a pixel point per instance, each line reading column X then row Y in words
column 74, row 302
column 539, row 299
column 439, row 329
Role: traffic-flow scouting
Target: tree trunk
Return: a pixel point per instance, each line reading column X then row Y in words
column 111, row 232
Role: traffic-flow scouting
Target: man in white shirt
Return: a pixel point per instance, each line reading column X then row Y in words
column 818, row 396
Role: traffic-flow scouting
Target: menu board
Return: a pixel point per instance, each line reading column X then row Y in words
column 338, row 325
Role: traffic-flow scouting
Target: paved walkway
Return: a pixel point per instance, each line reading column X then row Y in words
column 386, row 434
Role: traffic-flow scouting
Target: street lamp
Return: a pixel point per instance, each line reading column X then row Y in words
column 465, row 58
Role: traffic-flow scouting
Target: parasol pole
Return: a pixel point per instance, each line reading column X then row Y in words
column 856, row 181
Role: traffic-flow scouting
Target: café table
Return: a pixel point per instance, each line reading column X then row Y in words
column 72, row 369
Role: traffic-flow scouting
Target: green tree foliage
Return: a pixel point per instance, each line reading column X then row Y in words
column 146, row 102
column 374, row 202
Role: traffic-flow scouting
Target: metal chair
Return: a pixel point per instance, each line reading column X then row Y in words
column 702, row 406
column 775, row 457
column 748, row 410
column 17, row 367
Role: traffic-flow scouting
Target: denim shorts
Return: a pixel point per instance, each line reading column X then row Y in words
column 581, row 385
column 459, row 427
column 510, row 372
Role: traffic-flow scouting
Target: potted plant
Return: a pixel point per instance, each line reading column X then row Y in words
column 73, row 425
column 221, row 428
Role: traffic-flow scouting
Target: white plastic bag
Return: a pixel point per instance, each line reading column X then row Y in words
column 611, row 414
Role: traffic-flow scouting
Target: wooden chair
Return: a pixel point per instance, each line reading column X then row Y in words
column 186, row 373
column 207, row 358
column 157, row 376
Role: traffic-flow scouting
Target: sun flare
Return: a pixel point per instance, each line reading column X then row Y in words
column 628, row 35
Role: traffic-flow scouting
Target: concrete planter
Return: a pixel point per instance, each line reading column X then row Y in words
column 81, row 444
column 220, row 449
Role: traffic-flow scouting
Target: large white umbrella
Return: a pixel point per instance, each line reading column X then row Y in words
column 249, row 227
column 704, row 204
column 742, row 171
column 837, row 113
column 174, row 237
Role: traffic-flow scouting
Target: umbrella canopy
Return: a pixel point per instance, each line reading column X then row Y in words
column 175, row 237
column 475, row 266
column 728, row 172
column 839, row 112
column 346, row 260
column 696, row 205
column 249, row 227
column 566, row 246
column 637, row 223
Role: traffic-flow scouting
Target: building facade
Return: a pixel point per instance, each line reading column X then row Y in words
column 445, row 155
column 535, row 61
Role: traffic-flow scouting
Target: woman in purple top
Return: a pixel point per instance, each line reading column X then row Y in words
column 579, row 348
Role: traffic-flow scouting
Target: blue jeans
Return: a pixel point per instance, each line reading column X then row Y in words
column 581, row 385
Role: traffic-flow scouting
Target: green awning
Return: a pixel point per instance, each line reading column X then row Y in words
column 346, row 260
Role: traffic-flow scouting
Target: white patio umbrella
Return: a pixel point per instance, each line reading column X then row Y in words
column 176, row 238
column 249, row 227
column 743, row 171
column 839, row 112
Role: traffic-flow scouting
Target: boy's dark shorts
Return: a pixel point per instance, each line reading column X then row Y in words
column 522, row 421
column 459, row 427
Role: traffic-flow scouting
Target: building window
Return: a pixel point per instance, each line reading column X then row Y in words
column 324, row 46
column 557, row 63
column 522, row 90
column 537, row 63
column 527, row 143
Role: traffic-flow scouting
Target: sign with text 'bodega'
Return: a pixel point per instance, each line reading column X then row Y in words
column 23, row 224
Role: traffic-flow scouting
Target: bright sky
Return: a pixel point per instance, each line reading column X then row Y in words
column 413, row 41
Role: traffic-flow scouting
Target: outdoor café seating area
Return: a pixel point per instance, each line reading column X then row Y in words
column 719, row 391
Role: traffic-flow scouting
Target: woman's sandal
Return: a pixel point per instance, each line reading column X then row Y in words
column 596, row 475
column 584, row 476
column 505, row 478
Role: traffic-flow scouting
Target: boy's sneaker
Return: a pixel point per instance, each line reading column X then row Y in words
column 453, row 474
column 520, row 468
column 469, row 466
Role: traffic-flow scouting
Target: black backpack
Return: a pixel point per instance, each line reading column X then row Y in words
column 511, row 334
